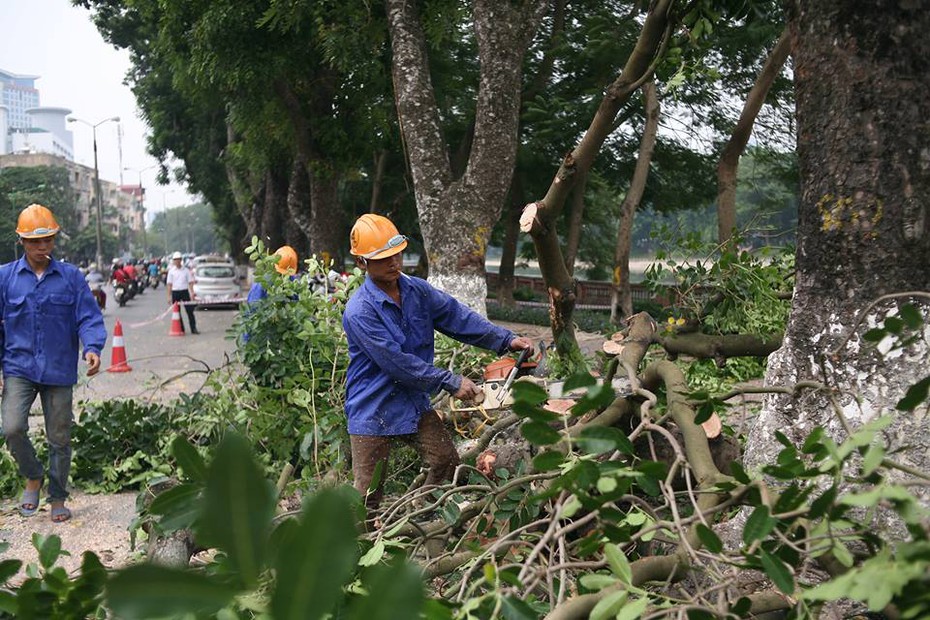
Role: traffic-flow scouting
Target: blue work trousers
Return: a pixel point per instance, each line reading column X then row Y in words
column 18, row 395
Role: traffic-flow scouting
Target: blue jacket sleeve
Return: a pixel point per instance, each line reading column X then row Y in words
column 369, row 333
column 455, row 319
column 88, row 318
column 256, row 293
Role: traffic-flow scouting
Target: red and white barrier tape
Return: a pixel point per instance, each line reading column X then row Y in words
column 215, row 302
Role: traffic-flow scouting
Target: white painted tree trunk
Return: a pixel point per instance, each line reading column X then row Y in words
column 457, row 215
column 864, row 225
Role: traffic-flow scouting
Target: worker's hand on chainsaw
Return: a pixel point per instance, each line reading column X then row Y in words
column 520, row 343
column 468, row 390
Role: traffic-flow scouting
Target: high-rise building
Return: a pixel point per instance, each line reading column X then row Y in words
column 25, row 126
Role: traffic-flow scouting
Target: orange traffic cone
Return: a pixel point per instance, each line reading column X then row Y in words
column 118, row 358
column 176, row 328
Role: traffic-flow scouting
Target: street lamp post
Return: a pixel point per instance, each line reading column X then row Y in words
column 93, row 126
column 145, row 243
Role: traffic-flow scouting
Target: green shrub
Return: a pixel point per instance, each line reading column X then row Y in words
column 120, row 444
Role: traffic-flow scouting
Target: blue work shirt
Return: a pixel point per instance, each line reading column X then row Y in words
column 43, row 318
column 256, row 293
column 391, row 373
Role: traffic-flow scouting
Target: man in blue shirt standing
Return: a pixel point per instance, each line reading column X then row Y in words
column 389, row 322
column 46, row 307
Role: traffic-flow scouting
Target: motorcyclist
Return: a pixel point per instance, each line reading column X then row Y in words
column 119, row 274
column 95, row 281
column 153, row 269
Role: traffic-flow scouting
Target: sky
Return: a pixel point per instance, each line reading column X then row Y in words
column 78, row 70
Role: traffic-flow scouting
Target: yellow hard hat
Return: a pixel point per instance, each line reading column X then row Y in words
column 376, row 237
column 287, row 260
column 35, row 222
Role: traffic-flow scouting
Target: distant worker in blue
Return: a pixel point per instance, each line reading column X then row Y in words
column 389, row 322
column 46, row 309
column 286, row 266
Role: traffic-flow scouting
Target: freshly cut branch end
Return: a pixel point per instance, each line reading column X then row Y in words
column 528, row 217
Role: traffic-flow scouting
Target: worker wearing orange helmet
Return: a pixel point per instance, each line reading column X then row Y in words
column 286, row 265
column 389, row 322
column 46, row 309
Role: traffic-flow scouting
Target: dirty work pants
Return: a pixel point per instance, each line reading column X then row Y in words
column 435, row 445
column 185, row 295
column 18, row 395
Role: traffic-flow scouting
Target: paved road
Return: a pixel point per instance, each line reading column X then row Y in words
column 156, row 357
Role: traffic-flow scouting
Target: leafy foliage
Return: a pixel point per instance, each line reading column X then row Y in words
column 120, row 444
column 728, row 290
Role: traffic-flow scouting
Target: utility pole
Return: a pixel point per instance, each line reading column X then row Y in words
column 93, row 127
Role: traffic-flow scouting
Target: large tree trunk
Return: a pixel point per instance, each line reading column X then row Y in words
column 274, row 213
column 541, row 218
column 298, row 207
column 505, row 272
column 622, row 296
column 456, row 216
column 729, row 159
column 863, row 100
column 326, row 232
column 324, row 228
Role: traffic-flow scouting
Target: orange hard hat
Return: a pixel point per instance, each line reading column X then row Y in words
column 35, row 222
column 376, row 237
column 287, row 260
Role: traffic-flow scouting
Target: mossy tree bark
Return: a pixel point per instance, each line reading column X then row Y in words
column 863, row 100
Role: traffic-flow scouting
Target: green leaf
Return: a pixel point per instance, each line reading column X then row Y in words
column 597, row 581
column 822, row 504
column 579, row 380
column 742, row 606
column 547, row 461
column 737, row 471
column 894, row 325
column 704, row 412
column 633, row 609
column 49, row 549
column 540, row 434
column 317, row 560
column 609, row 606
column 395, row 592
column 915, row 395
column 778, row 572
column 759, row 524
column 179, row 506
column 527, row 391
column 709, row 539
column 9, row 568
column 189, row 460
column 874, row 456
column 911, row 316
column 597, row 397
column 152, row 591
column 618, row 563
column 606, row 484
column 237, row 510
column 373, row 555
column 513, row 608
column 600, row 439
column 874, row 335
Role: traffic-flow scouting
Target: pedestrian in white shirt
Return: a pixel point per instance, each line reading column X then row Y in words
column 181, row 289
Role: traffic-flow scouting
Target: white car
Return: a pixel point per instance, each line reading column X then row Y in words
column 216, row 283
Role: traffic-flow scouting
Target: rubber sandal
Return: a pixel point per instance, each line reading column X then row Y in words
column 60, row 514
column 29, row 498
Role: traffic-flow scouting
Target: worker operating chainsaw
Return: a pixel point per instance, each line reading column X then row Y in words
column 389, row 322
